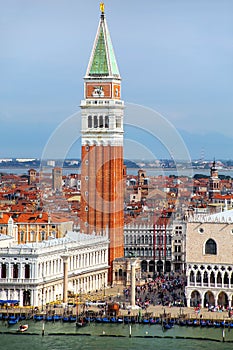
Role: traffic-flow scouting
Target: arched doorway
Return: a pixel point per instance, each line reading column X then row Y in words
column 195, row 299
column 168, row 266
column 27, row 298
column 209, row 299
column 159, row 266
column 223, row 299
column 152, row 266
column 144, row 266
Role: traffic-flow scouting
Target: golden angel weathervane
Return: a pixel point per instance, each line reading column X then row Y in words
column 102, row 7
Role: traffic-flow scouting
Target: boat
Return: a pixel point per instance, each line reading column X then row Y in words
column 127, row 320
column 196, row 323
column 38, row 317
column 216, row 324
column 134, row 320
column 203, row 323
column 12, row 322
column 166, row 326
column 49, row 318
column 22, row 317
column 65, row 319
column 57, row 318
column 81, row 322
column 189, row 323
column 113, row 320
column 72, row 318
column 182, row 323
column 23, row 328
column 145, row 321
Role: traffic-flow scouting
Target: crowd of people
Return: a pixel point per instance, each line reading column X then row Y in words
column 165, row 290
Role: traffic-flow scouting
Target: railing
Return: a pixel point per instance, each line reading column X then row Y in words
column 18, row 280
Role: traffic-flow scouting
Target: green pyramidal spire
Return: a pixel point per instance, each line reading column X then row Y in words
column 103, row 61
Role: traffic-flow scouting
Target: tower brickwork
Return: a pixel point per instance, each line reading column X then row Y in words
column 214, row 181
column 102, row 146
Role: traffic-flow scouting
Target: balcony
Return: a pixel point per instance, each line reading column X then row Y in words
column 16, row 281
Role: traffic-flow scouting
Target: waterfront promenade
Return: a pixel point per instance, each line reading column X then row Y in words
column 116, row 294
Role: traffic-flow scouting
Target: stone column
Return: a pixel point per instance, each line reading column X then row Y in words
column 65, row 277
column 133, row 284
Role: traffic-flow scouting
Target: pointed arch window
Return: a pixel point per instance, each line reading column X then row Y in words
column 211, row 247
column 191, row 277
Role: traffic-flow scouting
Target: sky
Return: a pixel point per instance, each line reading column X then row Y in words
column 175, row 57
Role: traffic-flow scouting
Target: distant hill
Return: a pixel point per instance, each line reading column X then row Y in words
column 130, row 164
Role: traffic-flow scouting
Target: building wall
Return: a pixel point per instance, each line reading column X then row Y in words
column 209, row 272
column 152, row 244
column 199, row 233
column 87, row 268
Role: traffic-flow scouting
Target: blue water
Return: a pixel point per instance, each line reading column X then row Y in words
column 102, row 336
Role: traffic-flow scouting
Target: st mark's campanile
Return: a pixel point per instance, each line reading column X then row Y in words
column 102, row 145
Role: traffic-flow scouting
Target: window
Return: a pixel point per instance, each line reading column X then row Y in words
column 211, row 247
column 21, row 236
column 3, row 273
column 15, row 271
column 95, row 121
column 27, row 271
column 42, row 235
column 118, row 122
column 32, row 236
column 101, row 121
column 89, row 121
column 106, row 124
